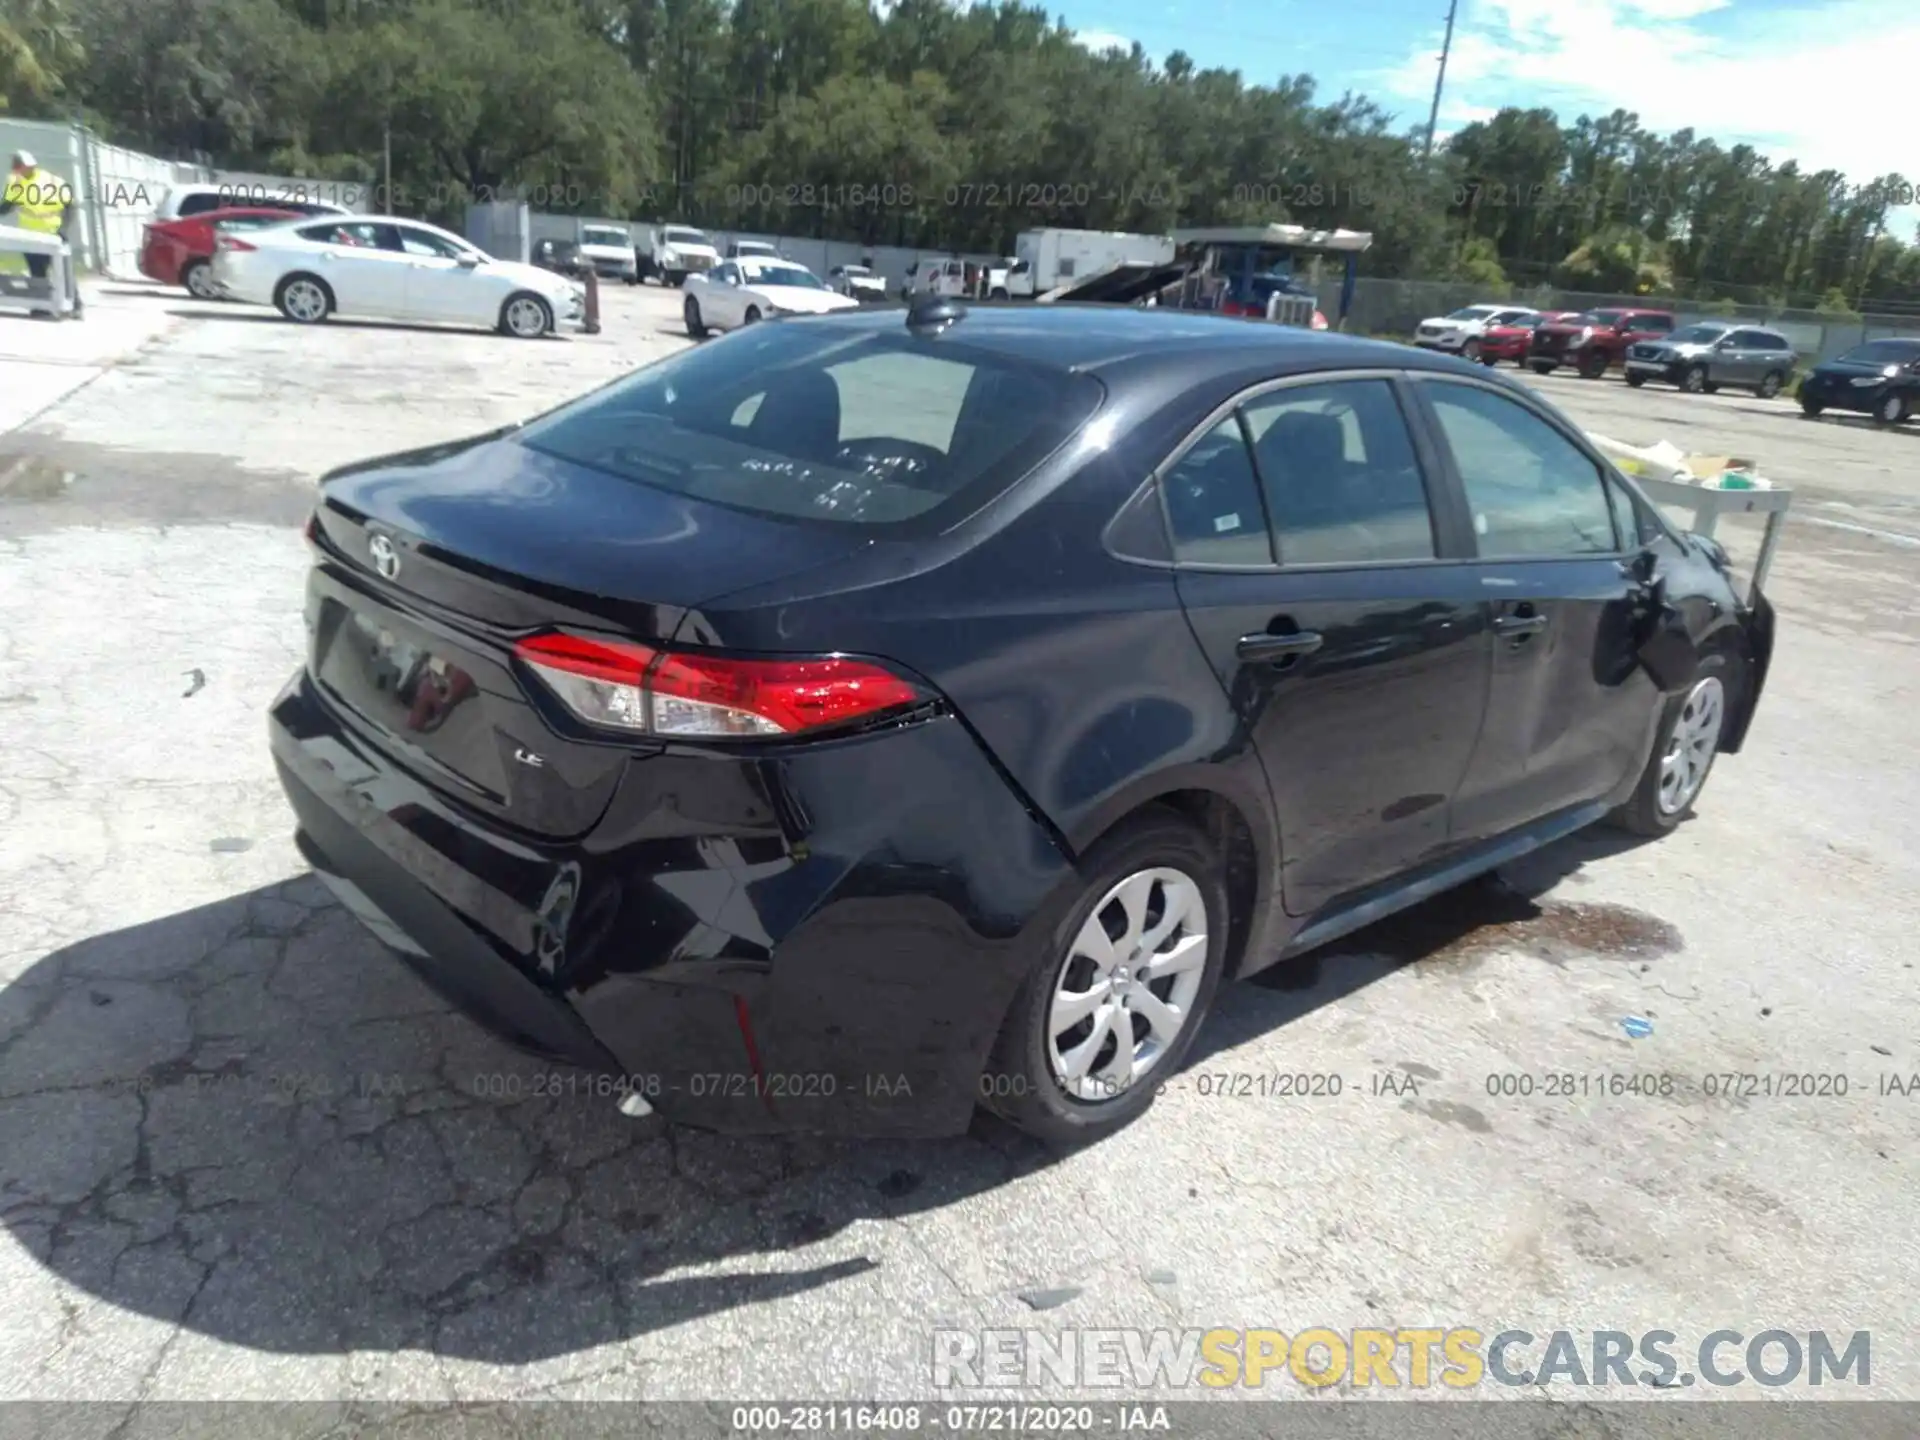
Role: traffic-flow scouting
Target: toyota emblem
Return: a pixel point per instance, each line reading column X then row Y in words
column 386, row 558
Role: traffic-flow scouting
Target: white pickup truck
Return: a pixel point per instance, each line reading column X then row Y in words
column 609, row 250
column 674, row 252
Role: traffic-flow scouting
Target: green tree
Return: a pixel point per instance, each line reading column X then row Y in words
column 1618, row 261
column 39, row 45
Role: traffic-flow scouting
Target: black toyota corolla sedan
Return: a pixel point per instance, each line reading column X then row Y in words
column 868, row 716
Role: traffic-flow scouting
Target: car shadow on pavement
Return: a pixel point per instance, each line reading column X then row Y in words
column 238, row 313
column 1499, row 912
column 254, row 1121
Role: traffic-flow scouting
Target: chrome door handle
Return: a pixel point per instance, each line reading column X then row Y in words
column 1519, row 624
column 1262, row 648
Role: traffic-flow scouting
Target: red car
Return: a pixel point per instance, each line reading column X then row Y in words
column 1511, row 342
column 178, row 252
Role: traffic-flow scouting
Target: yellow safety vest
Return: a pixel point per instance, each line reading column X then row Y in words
column 39, row 200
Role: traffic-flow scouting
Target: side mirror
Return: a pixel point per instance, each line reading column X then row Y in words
column 469, row 262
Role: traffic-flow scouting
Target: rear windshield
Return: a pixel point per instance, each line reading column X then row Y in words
column 809, row 421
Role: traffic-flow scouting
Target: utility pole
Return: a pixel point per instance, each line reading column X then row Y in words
column 386, row 206
column 1433, row 116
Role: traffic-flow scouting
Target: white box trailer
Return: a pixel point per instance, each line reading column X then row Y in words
column 1048, row 259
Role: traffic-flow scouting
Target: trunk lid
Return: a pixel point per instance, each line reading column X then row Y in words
column 431, row 564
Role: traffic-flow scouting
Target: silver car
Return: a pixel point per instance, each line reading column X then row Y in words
column 1701, row 358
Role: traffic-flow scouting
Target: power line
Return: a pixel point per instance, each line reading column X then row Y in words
column 1446, row 46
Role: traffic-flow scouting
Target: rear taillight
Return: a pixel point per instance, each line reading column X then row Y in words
column 233, row 243
column 617, row 685
column 311, row 530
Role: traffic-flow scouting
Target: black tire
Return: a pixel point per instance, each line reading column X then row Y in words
column 297, row 313
column 1000, row 293
column 676, row 278
column 1634, row 382
column 195, row 278
column 516, row 304
column 753, row 314
column 1770, row 385
column 1810, row 408
column 1542, row 367
column 1490, row 361
column 1642, row 813
column 1693, row 380
column 1018, row 1083
column 690, row 312
column 1470, row 350
column 1592, row 365
column 1893, row 410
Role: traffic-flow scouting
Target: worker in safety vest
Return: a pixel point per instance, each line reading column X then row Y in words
column 39, row 201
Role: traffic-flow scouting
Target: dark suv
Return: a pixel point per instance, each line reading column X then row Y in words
column 1594, row 341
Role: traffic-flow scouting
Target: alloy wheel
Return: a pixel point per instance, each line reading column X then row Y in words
column 1125, row 992
column 1893, row 410
column 526, row 318
column 199, row 280
column 305, row 300
column 1691, row 747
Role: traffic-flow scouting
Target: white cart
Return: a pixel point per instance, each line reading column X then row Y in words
column 1709, row 504
column 1708, row 501
column 22, row 294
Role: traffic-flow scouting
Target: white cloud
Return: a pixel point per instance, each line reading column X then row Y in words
column 1828, row 84
column 1100, row 41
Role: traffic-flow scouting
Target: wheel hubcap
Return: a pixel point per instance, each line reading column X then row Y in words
column 1890, row 408
column 1126, row 990
column 1691, row 747
column 525, row 318
column 306, row 301
column 199, row 282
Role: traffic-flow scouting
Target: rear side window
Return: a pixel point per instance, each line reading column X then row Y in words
column 358, row 234
column 817, row 422
column 1213, row 502
column 1532, row 492
column 199, row 203
column 1342, row 482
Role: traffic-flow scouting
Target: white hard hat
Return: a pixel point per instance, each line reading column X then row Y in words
column 24, row 160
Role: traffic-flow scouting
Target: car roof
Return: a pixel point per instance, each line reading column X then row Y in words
column 1093, row 337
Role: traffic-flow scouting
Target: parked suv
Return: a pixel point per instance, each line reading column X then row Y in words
column 1701, row 358
column 1461, row 332
column 1512, row 339
column 1595, row 340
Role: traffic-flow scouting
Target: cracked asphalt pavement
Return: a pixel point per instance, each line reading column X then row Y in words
column 245, row 1155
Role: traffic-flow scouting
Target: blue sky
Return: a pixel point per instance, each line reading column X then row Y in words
column 1832, row 83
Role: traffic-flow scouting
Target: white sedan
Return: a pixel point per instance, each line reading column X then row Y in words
column 379, row 267
column 739, row 292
